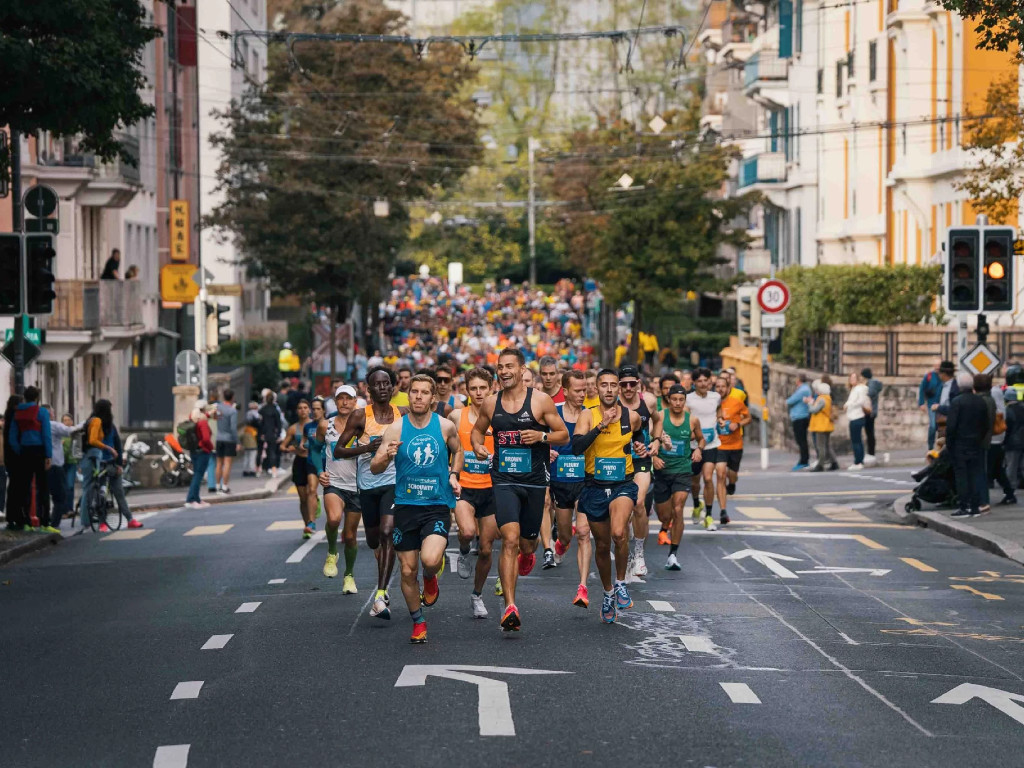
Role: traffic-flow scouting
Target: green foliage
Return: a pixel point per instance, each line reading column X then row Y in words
column 73, row 67
column 865, row 295
column 1000, row 22
column 260, row 357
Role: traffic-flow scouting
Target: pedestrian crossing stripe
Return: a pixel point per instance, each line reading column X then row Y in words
column 286, row 525
column 209, row 530
column 762, row 513
column 128, row 535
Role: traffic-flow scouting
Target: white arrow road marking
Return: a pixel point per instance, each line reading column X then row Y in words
column 740, row 693
column 494, row 709
column 173, row 756
column 661, row 605
column 1001, row 700
column 698, row 643
column 307, row 546
column 768, row 560
column 837, row 569
column 189, row 690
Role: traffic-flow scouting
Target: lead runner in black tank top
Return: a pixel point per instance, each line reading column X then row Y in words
column 510, row 453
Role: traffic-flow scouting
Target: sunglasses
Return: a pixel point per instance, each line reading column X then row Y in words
column 629, row 384
column 443, row 380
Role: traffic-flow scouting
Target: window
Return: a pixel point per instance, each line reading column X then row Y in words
column 839, row 78
column 798, row 33
column 872, row 61
column 821, row 80
column 797, row 224
column 849, row 65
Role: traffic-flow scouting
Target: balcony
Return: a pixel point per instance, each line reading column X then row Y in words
column 765, row 72
column 116, row 181
column 120, row 306
column 62, row 165
column 765, row 168
column 77, row 306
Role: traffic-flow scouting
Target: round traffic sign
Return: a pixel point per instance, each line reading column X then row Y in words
column 773, row 296
column 41, row 201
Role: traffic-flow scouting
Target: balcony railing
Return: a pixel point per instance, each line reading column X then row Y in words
column 120, row 303
column 765, row 168
column 76, row 307
column 118, row 168
column 764, row 65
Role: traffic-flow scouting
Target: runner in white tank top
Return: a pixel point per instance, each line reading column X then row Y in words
column 706, row 405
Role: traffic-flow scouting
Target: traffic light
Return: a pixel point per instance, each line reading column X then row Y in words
column 998, row 294
column 39, row 278
column 963, row 263
column 10, row 274
column 214, row 322
column 748, row 315
column 201, row 311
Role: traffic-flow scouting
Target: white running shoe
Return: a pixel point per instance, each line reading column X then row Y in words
column 639, row 564
column 380, row 609
column 870, row 461
column 466, row 565
column 673, row 564
column 855, row 468
column 479, row 609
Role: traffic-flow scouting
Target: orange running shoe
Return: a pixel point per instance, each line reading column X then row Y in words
column 526, row 563
column 663, row 537
column 581, row 599
column 510, row 619
column 430, row 591
column 419, row 632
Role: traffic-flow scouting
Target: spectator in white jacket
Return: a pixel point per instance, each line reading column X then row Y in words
column 858, row 405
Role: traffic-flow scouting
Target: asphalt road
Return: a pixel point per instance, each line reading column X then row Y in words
column 731, row 665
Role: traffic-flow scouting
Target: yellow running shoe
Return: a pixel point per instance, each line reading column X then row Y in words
column 348, row 586
column 497, row 587
column 698, row 510
column 709, row 523
column 440, row 570
column 331, row 566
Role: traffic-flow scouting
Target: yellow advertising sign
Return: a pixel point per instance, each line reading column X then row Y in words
column 178, row 283
column 179, row 230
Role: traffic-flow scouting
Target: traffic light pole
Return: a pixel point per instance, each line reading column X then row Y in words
column 16, row 219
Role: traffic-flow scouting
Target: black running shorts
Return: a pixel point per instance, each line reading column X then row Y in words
column 413, row 524
column 300, row 472
column 666, row 484
column 523, row 504
column 480, row 499
column 595, row 500
column 731, row 458
column 376, row 502
column 349, row 499
column 565, row 495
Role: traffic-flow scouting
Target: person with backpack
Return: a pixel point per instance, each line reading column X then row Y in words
column 928, row 394
column 1013, row 444
column 101, row 443
column 30, row 438
column 15, row 513
column 249, row 441
column 995, row 453
column 196, row 438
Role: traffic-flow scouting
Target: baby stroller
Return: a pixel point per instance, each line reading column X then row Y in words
column 936, row 484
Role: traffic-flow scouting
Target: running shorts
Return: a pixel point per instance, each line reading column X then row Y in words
column 349, row 499
column 643, row 465
column 300, row 472
column 595, row 500
column 565, row 495
column 731, row 458
column 666, row 484
column 523, row 504
column 413, row 524
column 480, row 499
column 376, row 502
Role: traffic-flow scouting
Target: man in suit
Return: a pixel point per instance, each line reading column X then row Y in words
column 968, row 428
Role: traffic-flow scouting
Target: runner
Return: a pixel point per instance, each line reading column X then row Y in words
column 666, row 383
column 673, row 467
column 525, row 424
column 294, row 443
column 567, row 483
column 591, row 399
column 735, row 416
column 645, row 405
column 551, row 385
column 446, row 401
column 426, row 453
column 341, row 495
column 314, row 454
column 474, row 510
column 376, row 491
column 604, row 435
column 706, row 406
column 551, row 379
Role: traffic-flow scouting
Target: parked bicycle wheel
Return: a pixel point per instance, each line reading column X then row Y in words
column 112, row 514
column 97, row 509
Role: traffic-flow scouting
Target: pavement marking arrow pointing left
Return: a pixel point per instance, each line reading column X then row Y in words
column 838, row 569
column 493, row 706
column 769, row 560
column 1001, row 700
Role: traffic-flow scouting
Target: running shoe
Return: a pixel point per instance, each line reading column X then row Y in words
column 709, row 523
column 622, row 599
column 698, row 510
column 348, row 585
column 664, row 537
column 387, row 597
column 498, row 591
column 510, row 621
column 307, row 532
column 549, row 559
column 419, row 632
column 133, row 523
column 730, row 488
column 639, row 563
column 51, row 529
column 582, row 599
column 526, row 563
column 331, row 565
column 479, row 609
column 104, row 528
column 673, row 563
column 380, row 609
column 466, row 565
column 560, row 551
column 724, row 518
column 608, row 608
column 431, row 591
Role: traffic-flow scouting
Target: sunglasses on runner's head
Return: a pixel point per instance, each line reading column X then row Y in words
column 629, row 383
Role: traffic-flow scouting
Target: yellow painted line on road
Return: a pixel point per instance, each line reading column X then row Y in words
column 841, row 514
column 128, row 535
column 762, row 513
column 209, row 530
column 286, row 525
column 879, row 492
column 919, row 623
column 913, row 562
column 973, row 591
column 294, row 490
column 819, row 524
column 871, row 543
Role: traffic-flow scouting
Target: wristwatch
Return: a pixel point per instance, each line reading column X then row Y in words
column 543, row 437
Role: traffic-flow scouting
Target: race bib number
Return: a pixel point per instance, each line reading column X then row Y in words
column 570, row 468
column 678, row 448
column 516, row 460
column 725, row 429
column 474, row 466
column 709, row 435
column 610, row 470
column 419, row 488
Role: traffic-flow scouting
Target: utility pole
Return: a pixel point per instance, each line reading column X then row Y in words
column 18, row 227
column 531, row 212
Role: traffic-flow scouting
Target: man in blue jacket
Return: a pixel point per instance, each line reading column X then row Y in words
column 800, row 415
column 31, row 440
column 928, row 394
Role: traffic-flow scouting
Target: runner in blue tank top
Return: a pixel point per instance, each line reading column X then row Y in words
column 428, row 459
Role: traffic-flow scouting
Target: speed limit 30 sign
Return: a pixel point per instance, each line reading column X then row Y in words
column 773, row 296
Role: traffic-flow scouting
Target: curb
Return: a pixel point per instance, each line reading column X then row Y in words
column 936, row 521
column 270, row 488
column 28, row 546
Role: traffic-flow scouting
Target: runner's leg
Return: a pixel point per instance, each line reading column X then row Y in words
column 721, row 480
column 620, row 511
column 488, row 533
column 508, row 563
column 602, row 551
column 641, row 523
column 584, row 546
column 349, row 537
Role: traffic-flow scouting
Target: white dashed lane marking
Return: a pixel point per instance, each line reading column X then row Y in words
column 216, row 642
column 307, row 546
column 740, row 693
column 189, row 690
column 277, row 581
column 173, row 756
column 662, row 605
column 248, row 607
column 697, row 644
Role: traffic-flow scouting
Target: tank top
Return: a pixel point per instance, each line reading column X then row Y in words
column 515, row 463
column 475, row 473
column 677, row 458
column 568, row 467
column 644, row 433
column 341, row 473
column 705, row 410
column 422, row 466
column 368, row 480
column 610, row 457
column 314, row 448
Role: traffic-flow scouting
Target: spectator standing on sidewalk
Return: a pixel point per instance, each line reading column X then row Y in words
column 100, row 444
column 72, row 450
column 927, row 396
column 250, row 440
column 858, row 405
column 201, row 448
column 950, row 389
column 821, row 425
column 212, row 417
column 272, row 424
column 59, row 502
column 227, row 440
column 994, row 454
column 968, row 429
column 30, row 438
column 1013, row 445
column 5, row 457
column 800, row 417
column 874, row 390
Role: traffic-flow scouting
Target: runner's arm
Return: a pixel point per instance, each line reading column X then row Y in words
column 451, row 439
column 353, row 428
column 745, row 417
column 483, row 423
column 638, row 445
column 585, row 433
column 559, row 434
column 388, row 447
column 286, row 444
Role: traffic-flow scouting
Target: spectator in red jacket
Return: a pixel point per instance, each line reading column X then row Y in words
column 200, row 455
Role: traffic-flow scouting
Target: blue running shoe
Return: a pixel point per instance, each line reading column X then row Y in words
column 622, row 599
column 608, row 609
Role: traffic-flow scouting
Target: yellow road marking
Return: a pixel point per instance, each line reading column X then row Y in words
column 841, row 514
column 913, row 562
column 1009, row 578
column 871, row 542
column 927, row 632
column 919, row 623
column 762, row 513
column 209, row 530
column 294, row 490
column 974, row 591
column 127, row 535
column 990, row 573
column 819, row 524
column 286, row 525
column 879, row 492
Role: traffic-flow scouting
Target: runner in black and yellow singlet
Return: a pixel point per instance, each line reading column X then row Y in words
column 605, row 436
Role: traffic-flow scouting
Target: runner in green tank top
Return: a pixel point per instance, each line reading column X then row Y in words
column 673, row 468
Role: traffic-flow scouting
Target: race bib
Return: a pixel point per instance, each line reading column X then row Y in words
column 418, row 488
column 610, row 470
column 724, row 429
column 516, row 460
column 709, row 435
column 474, row 466
column 570, row 468
column 678, row 448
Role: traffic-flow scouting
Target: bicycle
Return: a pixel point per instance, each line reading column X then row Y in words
column 103, row 506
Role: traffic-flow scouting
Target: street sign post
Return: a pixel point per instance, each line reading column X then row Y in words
column 981, row 359
column 35, row 335
column 178, row 282
column 40, row 201
column 29, row 354
column 773, row 297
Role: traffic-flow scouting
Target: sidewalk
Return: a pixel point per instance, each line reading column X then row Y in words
column 1001, row 531
column 784, row 460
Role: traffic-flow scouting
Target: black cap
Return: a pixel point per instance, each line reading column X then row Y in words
column 676, row 389
column 865, row 372
column 946, row 366
column 629, row 372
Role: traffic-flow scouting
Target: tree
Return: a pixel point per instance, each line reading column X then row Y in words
column 1000, row 22
column 337, row 129
column 73, row 67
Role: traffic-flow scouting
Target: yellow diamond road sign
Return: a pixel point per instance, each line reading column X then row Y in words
column 980, row 359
